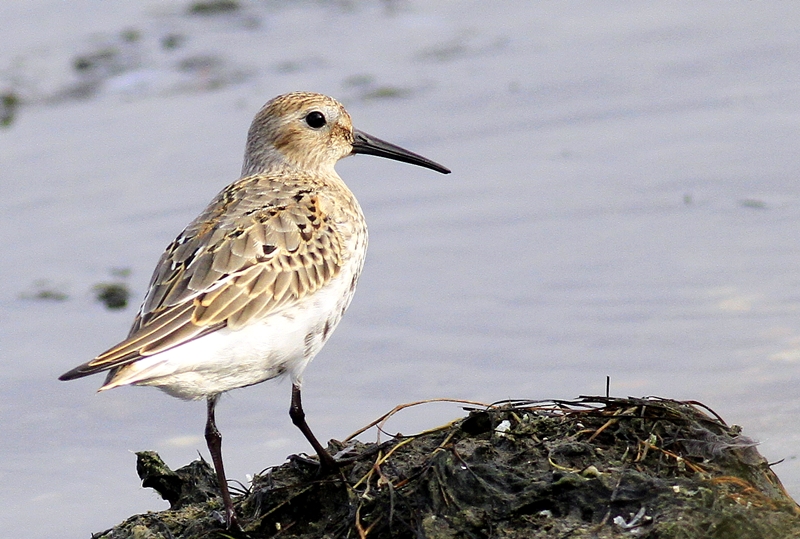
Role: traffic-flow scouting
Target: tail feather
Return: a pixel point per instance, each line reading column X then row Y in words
column 90, row 367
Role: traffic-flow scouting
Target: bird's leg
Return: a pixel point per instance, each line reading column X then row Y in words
column 326, row 462
column 214, row 441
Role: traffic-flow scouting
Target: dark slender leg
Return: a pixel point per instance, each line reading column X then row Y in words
column 214, row 441
column 326, row 462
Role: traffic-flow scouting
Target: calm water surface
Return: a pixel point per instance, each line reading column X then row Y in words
column 624, row 201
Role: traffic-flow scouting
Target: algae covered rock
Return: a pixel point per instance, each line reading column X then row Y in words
column 595, row 467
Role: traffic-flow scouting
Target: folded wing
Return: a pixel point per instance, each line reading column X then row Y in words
column 260, row 246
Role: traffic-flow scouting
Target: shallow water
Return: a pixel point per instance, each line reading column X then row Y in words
column 623, row 202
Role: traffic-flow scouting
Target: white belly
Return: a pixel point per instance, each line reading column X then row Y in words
column 282, row 343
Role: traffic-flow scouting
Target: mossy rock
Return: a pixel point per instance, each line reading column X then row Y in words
column 594, row 467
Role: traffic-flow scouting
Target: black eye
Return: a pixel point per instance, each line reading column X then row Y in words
column 315, row 119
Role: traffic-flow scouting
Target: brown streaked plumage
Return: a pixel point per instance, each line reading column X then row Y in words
column 220, row 272
column 254, row 286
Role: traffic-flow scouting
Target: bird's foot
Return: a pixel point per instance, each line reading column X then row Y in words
column 231, row 521
column 325, row 466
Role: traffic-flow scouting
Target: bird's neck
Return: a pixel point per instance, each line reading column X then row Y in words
column 270, row 162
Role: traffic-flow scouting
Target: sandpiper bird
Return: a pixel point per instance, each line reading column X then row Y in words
column 254, row 286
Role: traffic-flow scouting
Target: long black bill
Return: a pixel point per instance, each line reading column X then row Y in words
column 369, row 145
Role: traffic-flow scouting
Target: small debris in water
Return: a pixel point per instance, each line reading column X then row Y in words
column 387, row 92
column 9, row 102
column 213, row 7
column 753, row 203
column 45, row 290
column 172, row 41
column 113, row 295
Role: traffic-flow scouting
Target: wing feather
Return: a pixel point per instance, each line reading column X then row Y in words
column 264, row 283
column 283, row 280
column 250, row 311
column 202, row 276
column 231, row 302
column 246, row 277
column 259, row 247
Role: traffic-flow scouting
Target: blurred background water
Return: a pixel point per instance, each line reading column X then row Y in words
column 624, row 202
